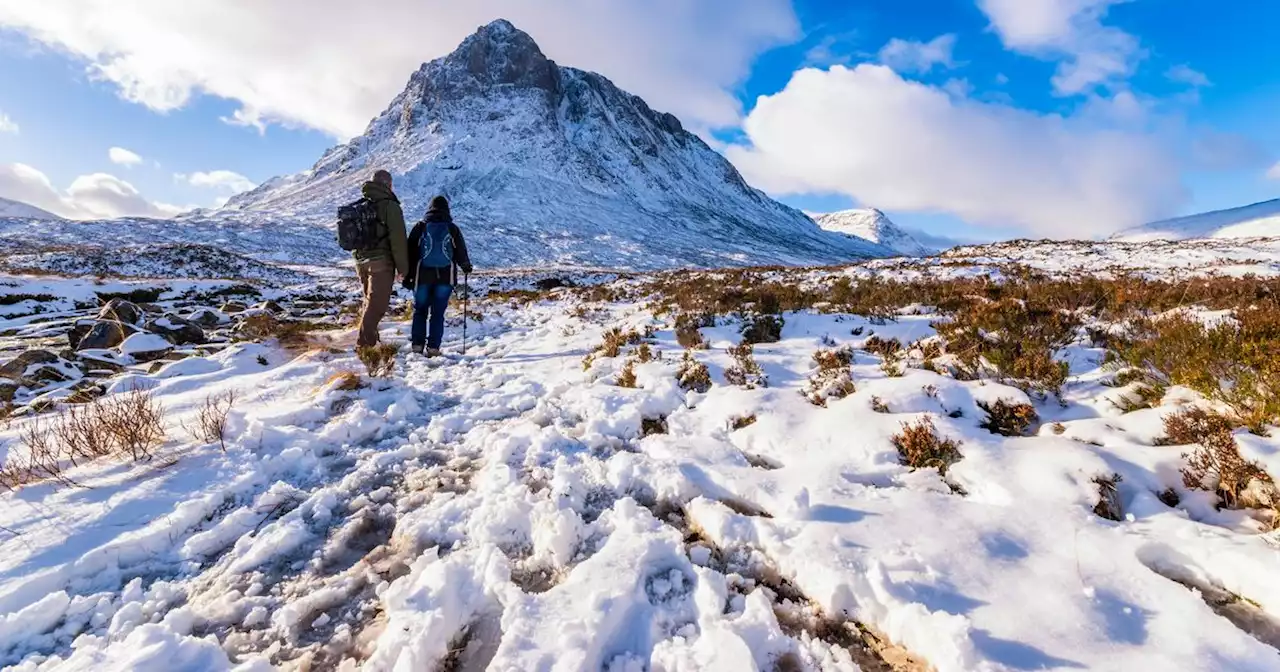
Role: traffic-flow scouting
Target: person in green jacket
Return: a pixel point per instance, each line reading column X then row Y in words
column 378, row 267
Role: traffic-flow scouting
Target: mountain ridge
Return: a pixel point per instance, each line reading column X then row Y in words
column 10, row 208
column 551, row 164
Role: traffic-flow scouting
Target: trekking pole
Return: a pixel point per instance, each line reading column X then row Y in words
column 466, row 299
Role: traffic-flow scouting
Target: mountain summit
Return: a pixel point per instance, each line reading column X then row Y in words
column 552, row 165
column 1260, row 220
column 871, row 224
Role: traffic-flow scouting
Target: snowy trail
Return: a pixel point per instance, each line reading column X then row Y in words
column 509, row 510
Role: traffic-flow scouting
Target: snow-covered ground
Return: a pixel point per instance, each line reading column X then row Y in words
column 509, row 509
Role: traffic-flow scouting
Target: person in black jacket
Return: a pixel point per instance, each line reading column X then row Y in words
column 440, row 250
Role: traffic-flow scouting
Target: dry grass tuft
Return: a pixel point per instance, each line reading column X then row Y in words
column 345, row 381
column 265, row 326
column 379, row 360
column 920, row 447
column 741, row 422
column 627, row 377
column 1008, row 419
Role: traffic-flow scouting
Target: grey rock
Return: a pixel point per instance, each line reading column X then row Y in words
column 16, row 368
column 121, row 311
column 105, row 334
column 177, row 330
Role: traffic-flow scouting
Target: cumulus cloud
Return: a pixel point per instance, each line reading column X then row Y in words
column 908, row 56
column 219, row 179
column 1274, row 173
column 333, row 65
column 901, row 145
column 1073, row 31
column 123, row 157
column 8, row 125
column 96, row 196
column 1185, row 74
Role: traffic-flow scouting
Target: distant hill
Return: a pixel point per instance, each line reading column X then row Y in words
column 872, row 225
column 19, row 210
column 1260, row 220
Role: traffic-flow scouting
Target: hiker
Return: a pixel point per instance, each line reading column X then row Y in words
column 437, row 245
column 383, row 253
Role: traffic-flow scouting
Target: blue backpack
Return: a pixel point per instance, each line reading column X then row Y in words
column 437, row 245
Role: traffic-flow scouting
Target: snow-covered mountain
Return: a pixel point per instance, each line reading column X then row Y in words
column 1260, row 220
column 20, row 210
column 551, row 165
column 871, row 224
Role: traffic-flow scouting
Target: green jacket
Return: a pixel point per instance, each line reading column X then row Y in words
column 395, row 246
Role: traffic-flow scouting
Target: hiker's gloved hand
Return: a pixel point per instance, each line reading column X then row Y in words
column 407, row 282
column 467, row 269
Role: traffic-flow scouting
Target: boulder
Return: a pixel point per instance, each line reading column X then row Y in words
column 78, row 331
column 178, row 330
column 58, row 372
column 8, row 389
column 270, row 307
column 234, row 307
column 208, row 317
column 121, row 311
column 16, row 368
column 105, row 334
column 146, row 347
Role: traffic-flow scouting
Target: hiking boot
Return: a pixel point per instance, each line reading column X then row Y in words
column 419, row 349
column 434, row 352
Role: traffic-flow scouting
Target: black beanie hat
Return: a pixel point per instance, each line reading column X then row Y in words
column 439, row 204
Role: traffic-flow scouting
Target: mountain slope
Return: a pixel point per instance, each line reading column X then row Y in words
column 551, row 165
column 1260, row 220
column 871, row 224
column 20, row 210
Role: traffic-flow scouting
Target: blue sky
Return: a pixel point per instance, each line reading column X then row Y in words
column 1193, row 108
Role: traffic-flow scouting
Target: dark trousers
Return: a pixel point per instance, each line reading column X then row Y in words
column 429, row 304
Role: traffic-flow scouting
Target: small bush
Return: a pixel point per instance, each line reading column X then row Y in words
column 1108, row 505
column 745, row 372
column 651, row 426
column 884, row 347
column 741, row 422
column 210, row 424
column 1008, row 419
column 644, row 354
column 762, row 328
column 832, row 380
column 878, row 405
column 627, row 377
column 134, row 422
column 693, row 375
column 688, row 330
column 1215, row 464
column 265, row 326
column 379, row 360
column 614, row 341
column 920, row 447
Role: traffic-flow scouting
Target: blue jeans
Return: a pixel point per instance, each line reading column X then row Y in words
column 429, row 303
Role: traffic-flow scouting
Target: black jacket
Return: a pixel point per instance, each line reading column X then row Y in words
column 427, row 274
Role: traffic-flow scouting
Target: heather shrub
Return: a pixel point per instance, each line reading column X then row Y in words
column 920, row 447
column 1008, row 419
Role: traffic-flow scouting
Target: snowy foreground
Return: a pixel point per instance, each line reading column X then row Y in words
column 508, row 510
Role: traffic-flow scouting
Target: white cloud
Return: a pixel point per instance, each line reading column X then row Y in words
column 1185, row 74
column 1274, row 173
column 96, row 196
column 1093, row 54
column 8, row 125
column 219, row 179
column 333, row 64
column 908, row 56
column 869, row 134
column 123, row 157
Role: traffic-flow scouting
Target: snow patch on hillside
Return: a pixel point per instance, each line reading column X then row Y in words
column 20, row 210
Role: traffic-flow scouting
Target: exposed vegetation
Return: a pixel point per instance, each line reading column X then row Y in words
column 920, row 447
column 1008, row 419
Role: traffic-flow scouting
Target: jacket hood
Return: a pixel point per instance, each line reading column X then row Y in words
column 376, row 191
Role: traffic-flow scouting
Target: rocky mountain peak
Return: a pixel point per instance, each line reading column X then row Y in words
column 500, row 54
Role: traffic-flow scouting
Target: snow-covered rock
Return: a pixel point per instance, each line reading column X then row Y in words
column 871, row 224
column 146, row 347
column 20, row 210
column 546, row 165
column 1260, row 220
